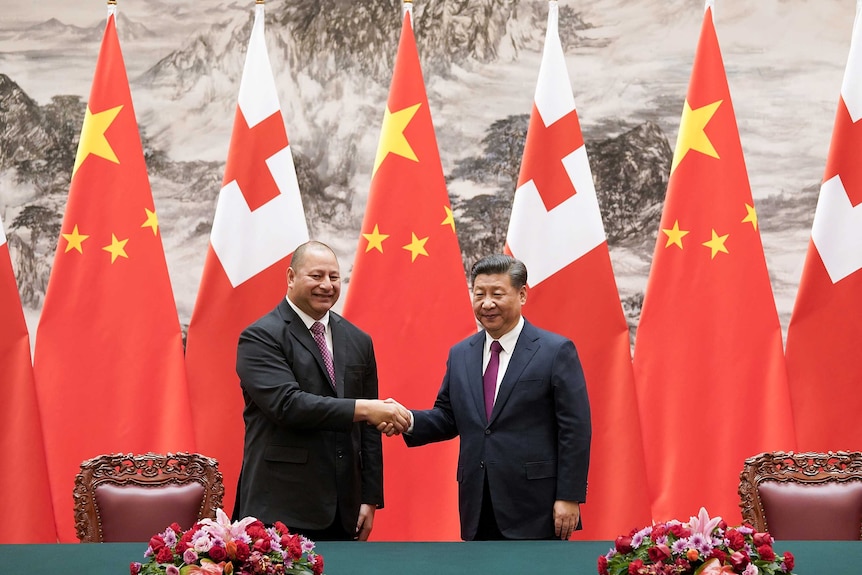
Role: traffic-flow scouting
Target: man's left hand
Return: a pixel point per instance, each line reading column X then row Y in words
column 567, row 514
column 365, row 522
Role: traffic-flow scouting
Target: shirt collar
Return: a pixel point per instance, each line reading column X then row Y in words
column 508, row 339
column 307, row 319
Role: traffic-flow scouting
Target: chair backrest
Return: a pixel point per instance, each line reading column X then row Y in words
column 126, row 497
column 803, row 496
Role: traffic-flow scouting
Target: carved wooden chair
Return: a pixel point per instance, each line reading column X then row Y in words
column 803, row 496
column 126, row 497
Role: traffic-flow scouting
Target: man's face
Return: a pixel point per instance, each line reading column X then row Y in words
column 496, row 303
column 314, row 286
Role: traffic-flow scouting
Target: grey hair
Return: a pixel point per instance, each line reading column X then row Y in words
column 501, row 264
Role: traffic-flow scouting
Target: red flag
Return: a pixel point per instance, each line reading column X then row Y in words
column 109, row 358
column 409, row 292
column 25, row 494
column 556, row 230
column 824, row 333
column 258, row 223
column 709, row 367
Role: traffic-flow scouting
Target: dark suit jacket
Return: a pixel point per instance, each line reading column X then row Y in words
column 536, row 447
column 303, row 454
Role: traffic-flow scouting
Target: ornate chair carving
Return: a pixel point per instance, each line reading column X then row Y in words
column 126, row 497
column 803, row 496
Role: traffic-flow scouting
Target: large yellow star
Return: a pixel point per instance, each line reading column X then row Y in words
column 691, row 132
column 375, row 240
column 751, row 216
column 674, row 235
column 392, row 139
column 716, row 244
column 74, row 240
column 450, row 218
column 152, row 221
column 416, row 247
column 117, row 248
column 93, row 140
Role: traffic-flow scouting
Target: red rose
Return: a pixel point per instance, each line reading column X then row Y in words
column 262, row 545
column 658, row 530
column 739, row 560
column 766, row 553
column 242, row 550
column 658, row 553
column 679, row 531
column 735, row 540
column 718, row 554
column 760, row 539
column 217, row 553
column 635, row 566
column 176, row 527
column 135, row 568
column 156, row 543
column 165, row 555
column 317, row 567
column 789, row 561
column 603, row 566
column 624, row 544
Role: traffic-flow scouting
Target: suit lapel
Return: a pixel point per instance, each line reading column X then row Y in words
column 525, row 349
column 473, row 365
column 339, row 351
column 302, row 335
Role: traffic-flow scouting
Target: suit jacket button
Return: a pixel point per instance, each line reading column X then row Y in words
column 481, row 465
column 487, row 432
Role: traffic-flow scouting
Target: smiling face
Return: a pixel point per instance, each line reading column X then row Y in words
column 496, row 303
column 315, row 283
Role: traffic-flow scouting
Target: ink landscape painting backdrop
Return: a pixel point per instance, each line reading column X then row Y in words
column 629, row 61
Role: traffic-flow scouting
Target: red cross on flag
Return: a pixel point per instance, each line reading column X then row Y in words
column 556, row 230
column 109, row 352
column 825, row 331
column 25, row 494
column 258, row 223
column 709, row 365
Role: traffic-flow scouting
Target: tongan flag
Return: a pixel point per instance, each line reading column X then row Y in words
column 258, row 223
column 823, row 363
column 556, row 230
column 109, row 352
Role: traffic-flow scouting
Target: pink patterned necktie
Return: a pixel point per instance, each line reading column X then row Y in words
column 317, row 330
column 489, row 380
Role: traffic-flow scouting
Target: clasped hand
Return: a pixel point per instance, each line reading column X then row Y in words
column 390, row 417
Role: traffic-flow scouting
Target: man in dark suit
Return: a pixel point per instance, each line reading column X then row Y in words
column 312, row 456
column 516, row 396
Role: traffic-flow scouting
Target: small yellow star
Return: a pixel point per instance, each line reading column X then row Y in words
column 152, row 221
column 416, row 247
column 751, row 216
column 716, row 244
column 117, row 248
column 375, row 240
column 450, row 218
column 74, row 240
column 674, row 235
column 93, row 140
column 392, row 137
column 691, row 132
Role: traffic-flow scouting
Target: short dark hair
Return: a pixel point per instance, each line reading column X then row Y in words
column 312, row 245
column 501, row 264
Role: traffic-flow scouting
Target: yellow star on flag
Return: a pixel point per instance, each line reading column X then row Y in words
column 450, row 218
column 375, row 240
column 392, row 139
column 716, row 244
column 117, row 248
column 751, row 216
column 93, row 140
column 691, row 132
column 674, row 235
column 74, row 240
column 416, row 247
column 152, row 221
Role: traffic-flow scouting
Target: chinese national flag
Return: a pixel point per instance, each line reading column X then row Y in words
column 258, row 223
column 109, row 358
column 556, row 230
column 409, row 292
column 824, row 334
column 709, row 367
column 25, row 494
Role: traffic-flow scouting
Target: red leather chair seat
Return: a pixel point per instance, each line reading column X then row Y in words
column 132, row 513
column 796, row 511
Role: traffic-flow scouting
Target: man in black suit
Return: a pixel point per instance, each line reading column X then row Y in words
column 312, row 456
column 516, row 396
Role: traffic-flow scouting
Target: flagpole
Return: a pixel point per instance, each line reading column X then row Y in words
column 112, row 9
column 408, row 9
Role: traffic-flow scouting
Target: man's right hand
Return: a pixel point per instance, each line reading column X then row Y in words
column 388, row 416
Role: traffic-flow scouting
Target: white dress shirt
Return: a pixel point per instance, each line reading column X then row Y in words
column 507, row 341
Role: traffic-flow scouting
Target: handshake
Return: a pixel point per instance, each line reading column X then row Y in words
column 387, row 415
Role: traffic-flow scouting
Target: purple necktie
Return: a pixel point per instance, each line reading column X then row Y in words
column 317, row 330
column 489, row 380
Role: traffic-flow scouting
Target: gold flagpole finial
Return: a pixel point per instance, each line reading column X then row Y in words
column 112, row 2
column 260, row 1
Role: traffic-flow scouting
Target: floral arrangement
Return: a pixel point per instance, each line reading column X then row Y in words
column 703, row 546
column 219, row 547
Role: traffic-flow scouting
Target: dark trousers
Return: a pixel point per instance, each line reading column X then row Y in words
column 335, row 532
